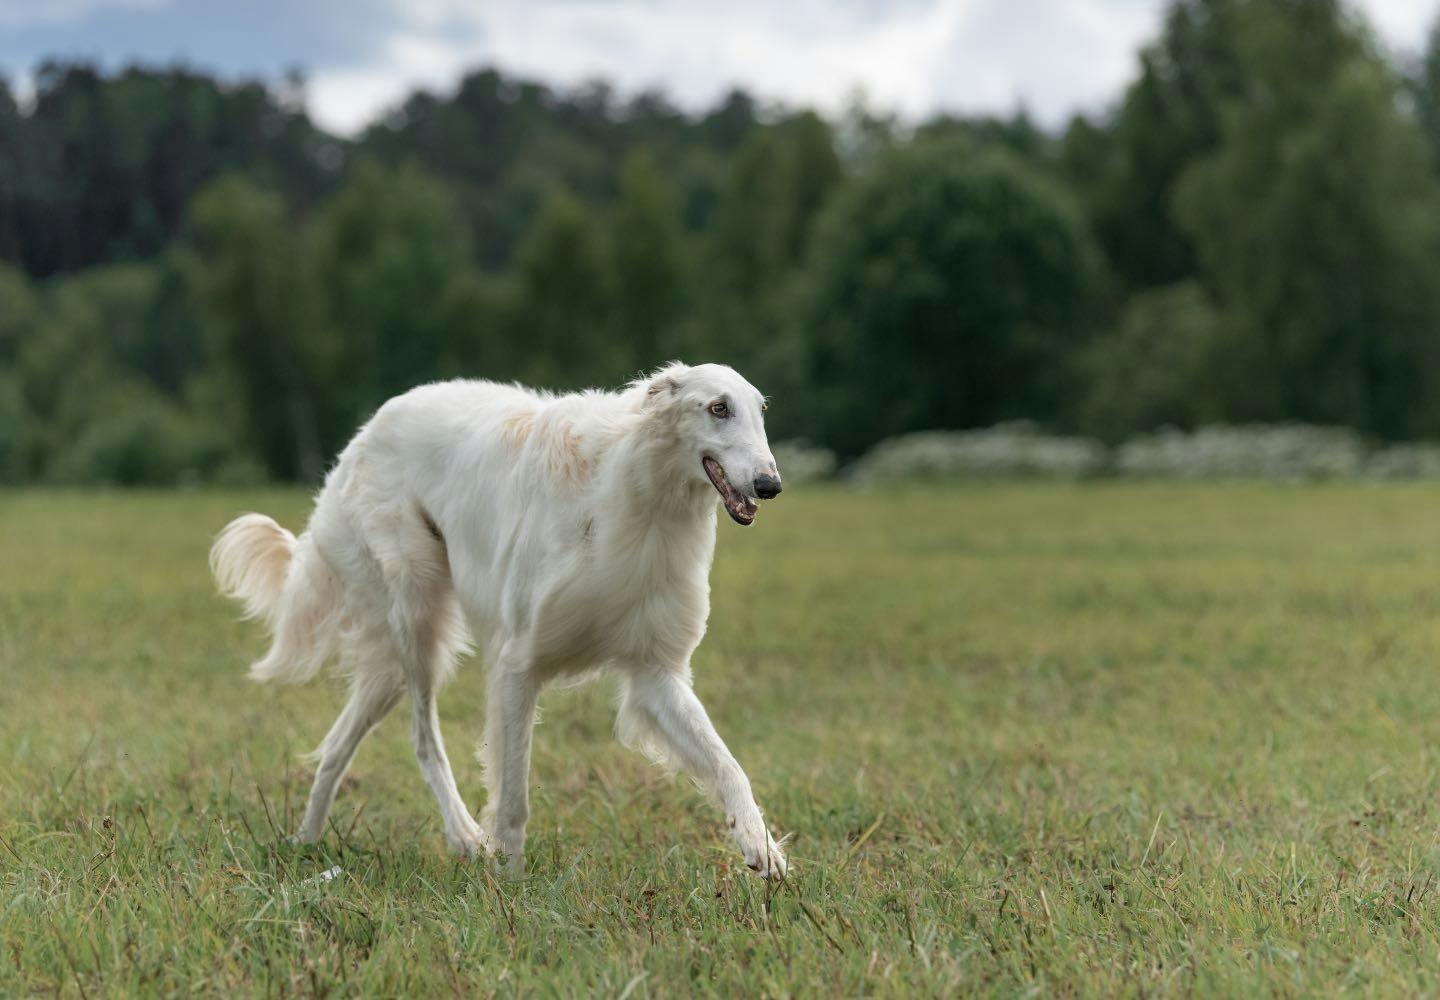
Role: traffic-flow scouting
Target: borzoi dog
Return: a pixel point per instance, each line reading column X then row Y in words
column 562, row 533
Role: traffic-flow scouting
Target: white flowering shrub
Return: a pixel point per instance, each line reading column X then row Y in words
column 802, row 462
column 1220, row 451
column 1012, row 449
column 1258, row 451
column 1404, row 461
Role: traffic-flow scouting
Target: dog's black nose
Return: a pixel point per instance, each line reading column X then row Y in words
column 767, row 487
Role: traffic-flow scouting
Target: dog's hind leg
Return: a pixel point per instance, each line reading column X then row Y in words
column 427, row 649
column 413, row 603
column 372, row 696
column 462, row 833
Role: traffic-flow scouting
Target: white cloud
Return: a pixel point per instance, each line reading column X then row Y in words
column 805, row 52
column 912, row 56
column 346, row 100
column 1401, row 24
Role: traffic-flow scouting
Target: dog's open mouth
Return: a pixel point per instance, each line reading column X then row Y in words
column 740, row 508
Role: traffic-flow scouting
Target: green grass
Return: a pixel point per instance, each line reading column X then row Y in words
column 1094, row 740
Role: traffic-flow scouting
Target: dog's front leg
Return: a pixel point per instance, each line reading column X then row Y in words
column 510, row 710
column 660, row 708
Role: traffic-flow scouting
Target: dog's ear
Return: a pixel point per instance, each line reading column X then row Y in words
column 663, row 387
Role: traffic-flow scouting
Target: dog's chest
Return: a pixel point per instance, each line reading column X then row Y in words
column 643, row 603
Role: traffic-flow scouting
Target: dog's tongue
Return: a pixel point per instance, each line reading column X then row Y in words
column 742, row 509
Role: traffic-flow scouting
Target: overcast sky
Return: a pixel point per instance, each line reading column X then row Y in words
column 911, row 56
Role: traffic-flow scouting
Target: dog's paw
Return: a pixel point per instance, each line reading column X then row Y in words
column 762, row 855
column 509, row 852
column 469, row 841
column 510, row 865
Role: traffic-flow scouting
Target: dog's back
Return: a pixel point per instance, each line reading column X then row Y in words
column 509, row 468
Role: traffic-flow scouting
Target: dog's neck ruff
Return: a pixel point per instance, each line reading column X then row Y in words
column 649, row 481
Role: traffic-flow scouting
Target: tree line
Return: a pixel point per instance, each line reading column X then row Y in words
column 198, row 284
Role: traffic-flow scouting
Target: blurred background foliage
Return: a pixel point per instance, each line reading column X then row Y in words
column 197, row 284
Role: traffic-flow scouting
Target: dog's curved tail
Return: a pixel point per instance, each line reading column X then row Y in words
column 285, row 582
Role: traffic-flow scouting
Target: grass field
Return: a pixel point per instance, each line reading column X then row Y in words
column 1090, row 739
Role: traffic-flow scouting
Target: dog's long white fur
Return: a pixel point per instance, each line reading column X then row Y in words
column 563, row 533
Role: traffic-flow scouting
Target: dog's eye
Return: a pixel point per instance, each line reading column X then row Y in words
column 719, row 409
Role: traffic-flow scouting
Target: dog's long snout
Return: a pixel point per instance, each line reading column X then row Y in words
column 767, row 487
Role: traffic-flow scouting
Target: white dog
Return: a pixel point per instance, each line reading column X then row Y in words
column 563, row 533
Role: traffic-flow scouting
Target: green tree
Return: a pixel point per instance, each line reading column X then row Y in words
column 18, row 316
column 17, row 311
column 1160, row 366
column 778, row 183
column 1171, row 115
column 70, row 361
column 649, row 263
column 1318, row 227
column 91, row 410
column 1425, row 88
column 564, row 313
column 11, row 166
column 779, row 180
column 261, row 293
column 391, row 254
column 949, row 287
column 102, row 167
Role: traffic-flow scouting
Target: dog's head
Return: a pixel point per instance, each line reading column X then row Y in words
column 718, row 424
